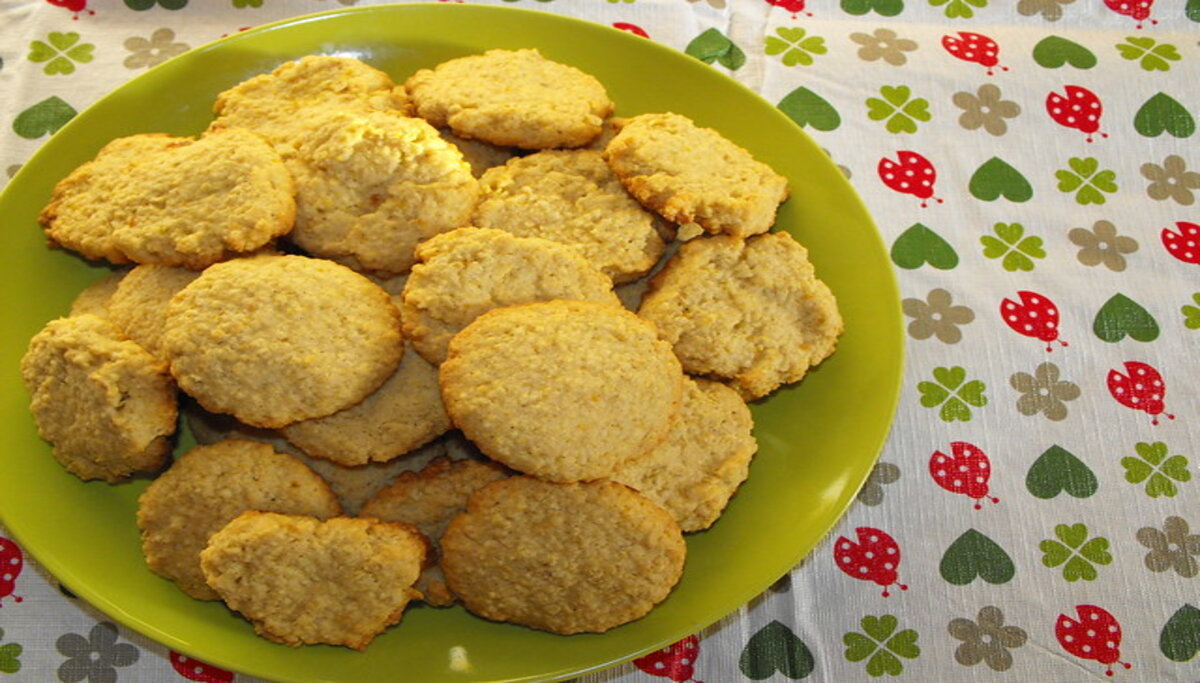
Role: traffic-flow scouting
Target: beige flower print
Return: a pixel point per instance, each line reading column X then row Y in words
column 937, row 316
column 1051, row 10
column 986, row 639
column 1175, row 548
column 1102, row 245
column 1042, row 392
column 1171, row 180
column 883, row 44
column 156, row 49
column 985, row 109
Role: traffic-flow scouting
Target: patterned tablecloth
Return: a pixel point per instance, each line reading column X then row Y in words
column 1039, row 479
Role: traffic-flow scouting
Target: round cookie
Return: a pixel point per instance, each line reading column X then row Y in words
column 752, row 313
column 277, row 105
column 106, row 406
column 403, row 414
column 703, row 460
column 565, row 558
column 273, row 340
column 690, row 174
column 465, row 273
column 370, row 186
column 209, row 486
column 571, row 196
column 95, row 297
column 138, row 307
column 563, row 390
column 302, row 581
column 173, row 201
column 428, row 499
column 512, row 98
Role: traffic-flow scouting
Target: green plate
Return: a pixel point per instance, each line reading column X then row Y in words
column 818, row 440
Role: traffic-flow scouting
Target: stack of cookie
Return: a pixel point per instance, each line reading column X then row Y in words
column 393, row 317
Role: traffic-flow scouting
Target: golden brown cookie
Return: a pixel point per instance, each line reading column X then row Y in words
column 564, row 390
column 206, row 488
column 565, row 558
column 571, row 196
column 138, row 307
column 277, row 339
column 512, row 98
column 302, row 581
column 428, row 499
column 467, row 272
column 94, row 298
column 691, row 174
column 173, row 201
column 106, row 405
column 703, row 460
column 752, row 313
column 370, row 186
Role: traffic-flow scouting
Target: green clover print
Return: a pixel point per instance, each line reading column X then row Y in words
column 953, row 393
column 243, row 4
column 1010, row 242
column 959, row 9
column 1191, row 314
column 1156, row 469
column 1086, row 180
column 1154, row 56
column 795, row 47
column 898, row 108
column 60, row 51
column 881, row 645
column 1077, row 554
column 10, row 654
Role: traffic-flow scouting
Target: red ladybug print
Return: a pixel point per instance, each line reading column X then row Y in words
column 1185, row 244
column 974, row 47
column 911, row 173
column 75, row 6
column 196, row 670
column 1134, row 9
column 874, row 557
column 12, row 561
column 1095, row 635
column 1035, row 316
column 1141, row 388
column 1077, row 108
column 796, row 7
column 632, row 28
column 966, row 470
column 676, row 662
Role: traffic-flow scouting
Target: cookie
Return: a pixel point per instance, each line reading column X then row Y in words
column 752, row 313
column 571, row 196
column 565, row 558
column 209, row 486
column 478, row 154
column 273, row 340
column 690, row 174
column 106, row 405
column 370, row 186
column 277, row 105
column 173, row 201
column 302, row 581
column 464, row 273
column 703, row 460
column 512, row 98
column 406, row 412
column 94, row 298
column 138, row 307
column 563, row 390
column 428, row 500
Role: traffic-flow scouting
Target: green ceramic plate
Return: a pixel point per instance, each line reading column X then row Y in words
column 818, row 440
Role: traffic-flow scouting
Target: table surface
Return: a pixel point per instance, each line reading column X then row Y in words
column 1057, row 256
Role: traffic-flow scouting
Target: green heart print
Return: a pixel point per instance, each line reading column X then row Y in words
column 807, row 108
column 886, row 8
column 1121, row 316
column 1053, row 52
column 996, row 178
column 1056, row 471
column 919, row 245
column 775, row 648
column 713, row 46
column 1180, row 636
column 974, row 555
column 43, row 118
column 1163, row 114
